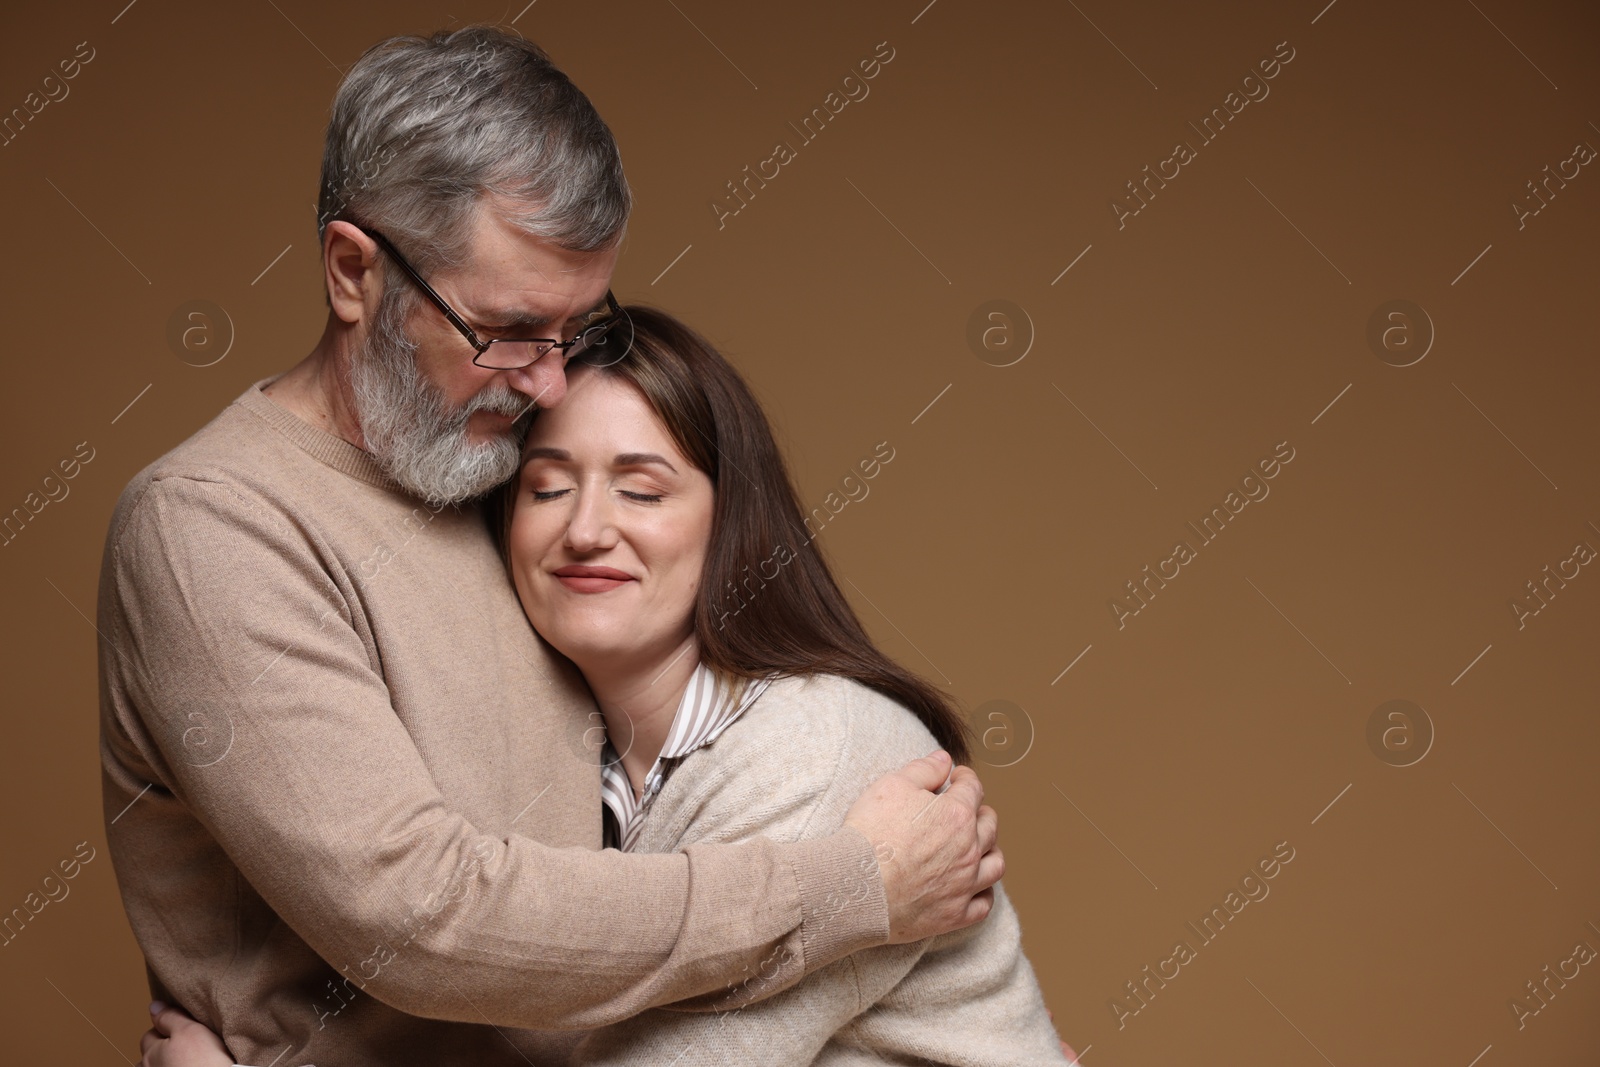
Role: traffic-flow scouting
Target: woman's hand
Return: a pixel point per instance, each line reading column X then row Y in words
column 176, row 1040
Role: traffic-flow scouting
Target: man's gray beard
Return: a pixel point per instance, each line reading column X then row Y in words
column 409, row 428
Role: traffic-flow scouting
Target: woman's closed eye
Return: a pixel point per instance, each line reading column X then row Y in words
column 541, row 495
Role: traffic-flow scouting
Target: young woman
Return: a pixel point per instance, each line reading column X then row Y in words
column 656, row 540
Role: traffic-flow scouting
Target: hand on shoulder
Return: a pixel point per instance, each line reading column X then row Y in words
column 937, row 851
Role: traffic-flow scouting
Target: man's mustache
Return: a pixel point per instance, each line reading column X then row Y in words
column 507, row 402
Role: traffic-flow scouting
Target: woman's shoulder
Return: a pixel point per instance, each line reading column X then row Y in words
column 789, row 767
column 822, row 712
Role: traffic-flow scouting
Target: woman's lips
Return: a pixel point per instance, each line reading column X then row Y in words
column 591, row 579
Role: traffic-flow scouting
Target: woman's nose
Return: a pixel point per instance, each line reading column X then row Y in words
column 591, row 527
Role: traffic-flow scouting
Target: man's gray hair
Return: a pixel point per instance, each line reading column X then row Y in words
column 423, row 129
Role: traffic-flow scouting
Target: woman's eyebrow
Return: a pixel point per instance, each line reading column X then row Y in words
column 623, row 459
column 640, row 459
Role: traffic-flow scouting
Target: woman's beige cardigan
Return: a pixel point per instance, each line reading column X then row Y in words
column 788, row 769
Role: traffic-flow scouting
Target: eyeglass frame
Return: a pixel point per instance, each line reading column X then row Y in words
column 480, row 346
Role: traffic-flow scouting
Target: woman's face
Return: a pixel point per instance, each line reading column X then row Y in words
column 610, row 527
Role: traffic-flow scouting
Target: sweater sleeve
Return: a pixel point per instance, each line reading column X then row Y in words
column 324, row 804
column 788, row 773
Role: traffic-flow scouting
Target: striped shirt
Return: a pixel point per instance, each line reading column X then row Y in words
column 707, row 708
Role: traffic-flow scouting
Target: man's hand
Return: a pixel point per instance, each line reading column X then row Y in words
column 936, row 850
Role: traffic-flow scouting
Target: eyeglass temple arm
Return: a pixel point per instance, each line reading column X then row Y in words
column 455, row 320
column 427, row 290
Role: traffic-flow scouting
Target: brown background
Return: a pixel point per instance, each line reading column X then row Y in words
column 1231, row 713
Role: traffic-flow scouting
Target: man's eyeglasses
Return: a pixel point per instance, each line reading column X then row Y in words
column 602, row 338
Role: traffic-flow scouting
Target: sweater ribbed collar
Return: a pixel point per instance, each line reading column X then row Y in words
column 319, row 444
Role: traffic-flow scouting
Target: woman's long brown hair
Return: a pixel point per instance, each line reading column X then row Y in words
column 768, row 603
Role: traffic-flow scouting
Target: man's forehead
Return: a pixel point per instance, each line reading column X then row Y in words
column 495, row 239
column 508, row 270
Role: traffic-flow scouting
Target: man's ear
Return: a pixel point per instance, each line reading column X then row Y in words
column 350, row 270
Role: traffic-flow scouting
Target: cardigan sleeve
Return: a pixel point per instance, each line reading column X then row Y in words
column 326, row 807
column 788, row 772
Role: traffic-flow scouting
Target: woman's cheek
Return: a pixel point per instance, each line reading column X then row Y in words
column 691, row 588
column 532, row 532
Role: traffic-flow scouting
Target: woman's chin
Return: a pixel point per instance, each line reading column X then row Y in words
column 610, row 649
column 593, row 649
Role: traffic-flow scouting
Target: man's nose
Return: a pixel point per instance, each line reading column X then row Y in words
column 543, row 381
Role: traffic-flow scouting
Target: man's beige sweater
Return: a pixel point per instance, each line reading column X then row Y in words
column 788, row 769
column 353, row 802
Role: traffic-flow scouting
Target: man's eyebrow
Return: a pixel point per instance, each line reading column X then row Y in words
column 510, row 317
column 521, row 317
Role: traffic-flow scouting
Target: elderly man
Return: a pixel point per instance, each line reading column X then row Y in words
column 352, row 800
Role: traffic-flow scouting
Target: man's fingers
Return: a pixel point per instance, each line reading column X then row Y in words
column 978, row 907
column 965, row 787
column 991, row 868
column 147, row 1041
column 988, row 829
column 928, row 772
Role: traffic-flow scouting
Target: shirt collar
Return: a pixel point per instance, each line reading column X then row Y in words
column 710, row 704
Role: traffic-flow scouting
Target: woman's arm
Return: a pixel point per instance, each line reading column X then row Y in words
column 788, row 770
